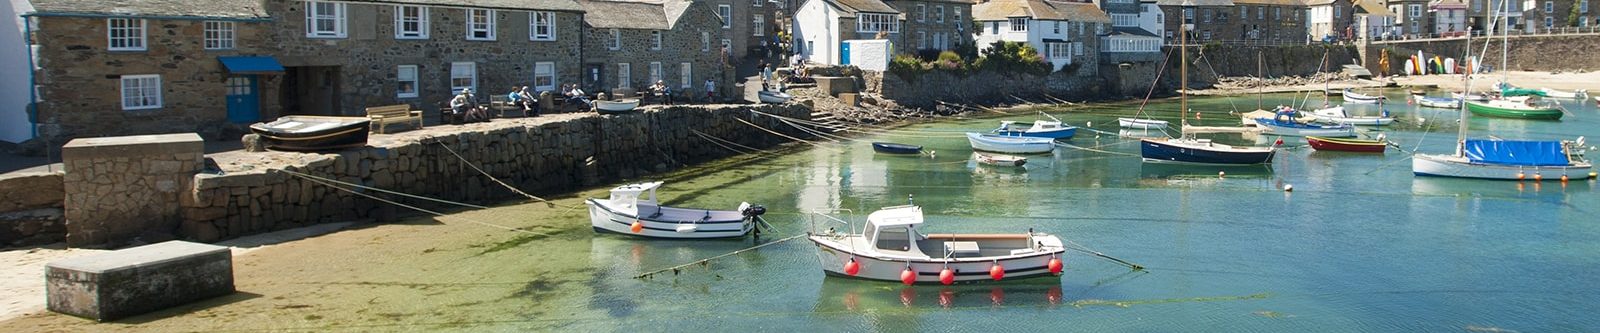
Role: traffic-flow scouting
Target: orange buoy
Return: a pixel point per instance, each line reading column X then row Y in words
column 1520, row 176
column 908, row 276
column 947, row 276
column 852, row 267
column 907, row 295
column 997, row 272
column 637, row 226
column 1054, row 265
column 1538, row 177
column 947, row 298
column 1563, row 178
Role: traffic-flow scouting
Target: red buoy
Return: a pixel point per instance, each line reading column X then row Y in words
column 997, row 272
column 637, row 226
column 1054, row 265
column 908, row 276
column 852, row 267
column 947, row 276
column 1278, row 143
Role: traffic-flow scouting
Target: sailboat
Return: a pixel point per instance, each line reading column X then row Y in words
column 1504, row 159
column 1283, row 123
column 1190, row 150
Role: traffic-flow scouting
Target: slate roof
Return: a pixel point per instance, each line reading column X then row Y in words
column 1195, row 2
column 1371, row 7
column 625, row 15
column 240, row 9
column 555, row 5
column 999, row 10
column 1271, row 2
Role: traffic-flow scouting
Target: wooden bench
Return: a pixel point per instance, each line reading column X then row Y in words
column 502, row 103
column 382, row 116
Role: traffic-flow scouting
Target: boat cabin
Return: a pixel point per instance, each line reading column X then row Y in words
column 634, row 196
column 894, row 231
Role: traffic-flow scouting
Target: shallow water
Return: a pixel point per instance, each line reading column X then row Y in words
column 1360, row 245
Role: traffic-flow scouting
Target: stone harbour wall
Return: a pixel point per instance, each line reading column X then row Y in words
column 544, row 155
column 122, row 189
column 30, row 209
column 1524, row 53
column 929, row 89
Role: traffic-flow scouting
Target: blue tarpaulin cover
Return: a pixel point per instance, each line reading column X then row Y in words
column 251, row 65
column 1528, row 153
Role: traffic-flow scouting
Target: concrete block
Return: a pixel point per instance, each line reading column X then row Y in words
column 850, row 99
column 117, row 284
column 835, row 85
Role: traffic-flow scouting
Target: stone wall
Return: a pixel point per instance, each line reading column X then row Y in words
column 119, row 189
column 955, row 30
column 1531, row 53
column 30, row 208
column 929, row 89
column 1210, row 60
column 551, row 154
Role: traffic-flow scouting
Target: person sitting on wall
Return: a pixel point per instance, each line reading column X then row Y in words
column 530, row 104
column 575, row 96
column 515, row 97
column 661, row 91
column 460, row 104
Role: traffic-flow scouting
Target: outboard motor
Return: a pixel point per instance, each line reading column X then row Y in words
column 753, row 211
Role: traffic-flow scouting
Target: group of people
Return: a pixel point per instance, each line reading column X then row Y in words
column 576, row 96
column 465, row 108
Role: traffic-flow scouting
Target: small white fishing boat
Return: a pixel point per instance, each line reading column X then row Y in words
column 1552, row 93
column 616, row 107
column 1248, row 119
column 1350, row 96
column 1052, row 128
column 1136, row 123
column 1439, row 102
column 1337, row 115
column 633, row 210
column 1010, row 144
column 999, row 159
column 891, row 246
column 773, row 97
column 1471, row 97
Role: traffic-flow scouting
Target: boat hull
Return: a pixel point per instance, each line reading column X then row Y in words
column 1359, row 146
column 1357, row 98
column 773, row 97
column 616, row 107
column 1552, row 93
column 609, row 219
column 895, row 148
column 1453, row 166
column 313, row 133
column 1488, row 110
column 1141, row 123
column 1064, row 133
column 1010, row 144
column 1276, row 128
column 1000, row 160
column 1166, row 151
column 1440, row 103
column 833, row 258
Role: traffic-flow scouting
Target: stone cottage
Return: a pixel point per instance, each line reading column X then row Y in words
column 1258, row 22
column 933, row 24
column 106, row 68
column 633, row 44
column 341, row 57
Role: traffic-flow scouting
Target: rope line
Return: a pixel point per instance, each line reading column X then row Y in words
column 1068, row 145
column 786, row 136
column 491, row 177
column 335, row 181
column 438, row 214
column 706, row 261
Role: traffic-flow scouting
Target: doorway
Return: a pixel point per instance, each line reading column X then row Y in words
column 244, row 99
column 311, row 90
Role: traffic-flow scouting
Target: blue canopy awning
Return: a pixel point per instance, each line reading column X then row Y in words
column 1524, row 153
column 251, row 65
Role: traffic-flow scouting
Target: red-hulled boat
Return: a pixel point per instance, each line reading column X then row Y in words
column 1338, row 144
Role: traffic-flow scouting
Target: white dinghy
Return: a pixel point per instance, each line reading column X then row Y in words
column 633, row 210
column 890, row 246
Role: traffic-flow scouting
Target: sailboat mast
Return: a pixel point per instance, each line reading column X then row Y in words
column 1505, row 39
column 1261, row 76
column 1466, row 92
column 1183, row 65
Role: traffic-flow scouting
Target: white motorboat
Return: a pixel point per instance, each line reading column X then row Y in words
column 773, row 97
column 633, row 210
column 999, row 159
column 1136, row 123
column 1337, row 115
column 1439, row 102
column 616, row 107
column 1552, row 93
column 891, row 246
column 1350, row 96
column 1248, row 119
column 1010, row 144
column 1052, row 128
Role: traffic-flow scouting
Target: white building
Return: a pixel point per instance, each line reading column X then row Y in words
column 821, row 27
column 1060, row 31
column 1328, row 18
column 1374, row 21
column 1151, row 18
column 16, row 86
column 1449, row 17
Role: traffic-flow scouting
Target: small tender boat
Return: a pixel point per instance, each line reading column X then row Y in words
column 895, row 148
column 1337, row 115
column 1501, row 108
column 1201, row 151
column 1350, row 96
column 1248, row 119
column 1508, row 160
column 1597, row 100
column 1552, row 93
column 773, row 97
column 1343, row 144
column 1439, row 102
column 1418, row 92
column 1136, row 123
column 1052, row 129
column 313, row 133
column 999, row 159
column 616, row 107
column 1472, row 97
column 1010, row 144
column 633, row 210
column 891, row 246
column 1292, row 128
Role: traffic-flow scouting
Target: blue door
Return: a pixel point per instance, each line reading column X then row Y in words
column 244, row 106
column 844, row 53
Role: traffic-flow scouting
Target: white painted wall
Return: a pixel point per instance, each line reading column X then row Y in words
column 815, row 25
column 15, row 88
column 871, row 54
column 1151, row 19
column 1038, row 31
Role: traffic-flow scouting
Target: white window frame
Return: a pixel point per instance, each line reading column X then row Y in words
column 1056, row 28
column 400, row 78
column 1077, row 48
column 655, row 39
column 219, row 35
column 686, row 75
column 471, row 74
column 128, row 40
column 144, row 93
column 487, row 26
column 549, row 25
column 922, row 13
column 545, row 69
column 1018, row 24
column 725, row 13
column 314, row 15
column 957, row 11
column 624, row 75
column 758, row 25
column 1549, row 6
column 401, row 19
column 1549, row 22
column 756, row 3
column 1058, row 51
column 655, row 72
column 705, row 41
column 938, row 13
column 922, row 39
column 616, row 40
column 877, row 22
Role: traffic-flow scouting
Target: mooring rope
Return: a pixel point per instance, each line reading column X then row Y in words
column 707, row 261
column 1081, row 248
column 491, row 177
column 315, row 179
column 1068, row 145
column 724, row 144
column 328, row 180
column 786, row 136
column 817, row 133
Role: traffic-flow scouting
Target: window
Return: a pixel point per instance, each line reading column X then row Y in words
column 1415, row 12
column 1549, row 6
column 480, row 24
column 1477, row 5
column 1125, row 20
column 727, row 44
column 124, row 34
column 1337, row 11
column 1188, row 15
column 756, row 3
column 1206, row 16
column 1099, row 28
column 1019, row 24
column 1549, row 22
column 325, row 19
column 724, row 13
column 922, row 40
column 406, row 80
column 544, row 76
column 463, row 75
column 655, row 39
column 1058, row 51
column 938, row 13
column 994, row 27
column 410, row 22
column 758, row 25
column 1206, row 35
column 218, row 35
column 624, row 75
column 705, row 41
column 544, row 26
column 141, row 92
column 1077, row 48
column 616, row 40
column 685, row 75
column 655, row 72
column 1244, row 12
column 922, row 13
column 1261, row 13
column 866, row 22
column 1057, row 28
column 1583, row 6
column 957, row 11
column 1277, row 13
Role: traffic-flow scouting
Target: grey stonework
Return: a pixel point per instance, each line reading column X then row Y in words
column 30, row 208
column 119, row 189
column 680, row 45
column 959, row 32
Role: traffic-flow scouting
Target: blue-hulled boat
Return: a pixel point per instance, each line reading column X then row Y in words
column 895, row 148
column 1201, row 151
column 1050, row 129
column 1292, row 128
column 1010, row 144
